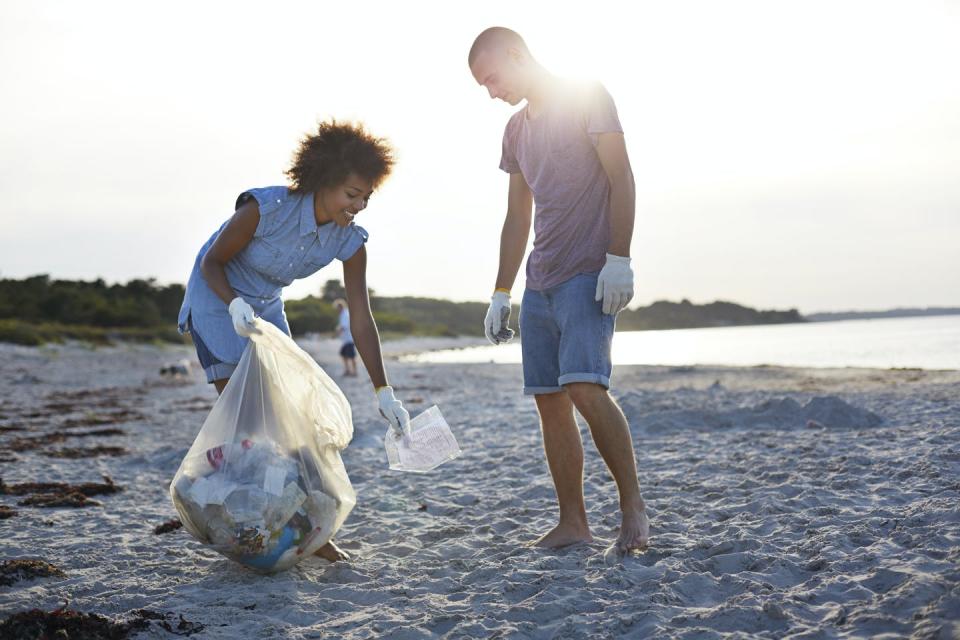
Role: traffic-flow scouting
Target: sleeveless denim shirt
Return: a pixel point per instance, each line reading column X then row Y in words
column 287, row 245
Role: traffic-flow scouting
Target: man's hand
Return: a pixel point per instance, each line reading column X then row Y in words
column 392, row 409
column 615, row 284
column 242, row 315
column 495, row 325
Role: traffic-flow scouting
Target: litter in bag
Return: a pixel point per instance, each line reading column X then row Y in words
column 430, row 444
column 263, row 483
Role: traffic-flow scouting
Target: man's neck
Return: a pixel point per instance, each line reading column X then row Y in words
column 540, row 92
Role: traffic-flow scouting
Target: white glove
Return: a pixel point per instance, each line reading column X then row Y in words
column 392, row 409
column 615, row 284
column 242, row 315
column 498, row 317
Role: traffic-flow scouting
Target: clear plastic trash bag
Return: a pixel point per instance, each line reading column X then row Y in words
column 263, row 483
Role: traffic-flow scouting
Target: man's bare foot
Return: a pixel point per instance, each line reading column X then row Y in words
column 331, row 552
column 634, row 531
column 563, row 536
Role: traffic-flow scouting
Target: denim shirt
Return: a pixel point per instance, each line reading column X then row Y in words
column 286, row 245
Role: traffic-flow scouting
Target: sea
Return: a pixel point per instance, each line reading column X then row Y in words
column 927, row 342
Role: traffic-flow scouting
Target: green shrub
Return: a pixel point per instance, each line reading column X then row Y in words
column 17, row 332
column 394, row 322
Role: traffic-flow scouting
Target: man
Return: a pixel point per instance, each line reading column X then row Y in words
column 565, row 151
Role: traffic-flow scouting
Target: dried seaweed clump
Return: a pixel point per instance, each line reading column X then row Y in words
column 16, row 570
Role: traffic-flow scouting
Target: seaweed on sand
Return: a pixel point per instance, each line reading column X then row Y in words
column 65, row 623
column 59, row 494
column 86, row 488
column 15, row 570
column 168, row 526
column 85, row 452
column 51, row 500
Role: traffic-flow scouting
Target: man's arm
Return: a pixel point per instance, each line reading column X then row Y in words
column 516, row 230
column 612, row 151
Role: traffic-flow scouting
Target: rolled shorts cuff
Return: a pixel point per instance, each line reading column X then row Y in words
column 219, row 371
column 537, row 391
column 595, row 378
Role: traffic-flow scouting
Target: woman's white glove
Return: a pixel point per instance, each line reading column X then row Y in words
column 615, row 284
column 242, row 315
column 392, row 409
column 495, row 325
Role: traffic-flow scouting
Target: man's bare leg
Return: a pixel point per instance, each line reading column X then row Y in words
column 328, row 551
column 610, row 432
column 564, row 451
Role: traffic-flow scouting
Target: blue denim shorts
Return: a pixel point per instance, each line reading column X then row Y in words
column 565, row 336
column 214, row 368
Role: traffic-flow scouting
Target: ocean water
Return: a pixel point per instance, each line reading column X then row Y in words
column 930, row 342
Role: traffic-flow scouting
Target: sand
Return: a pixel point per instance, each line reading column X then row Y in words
column 784, row 503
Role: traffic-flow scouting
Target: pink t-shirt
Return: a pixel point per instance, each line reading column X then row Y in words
column 556, row 153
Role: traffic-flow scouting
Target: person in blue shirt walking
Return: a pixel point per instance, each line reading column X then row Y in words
column 347, row 348
column 281, row 233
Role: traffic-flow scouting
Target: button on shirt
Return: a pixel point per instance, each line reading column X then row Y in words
column 287, row 245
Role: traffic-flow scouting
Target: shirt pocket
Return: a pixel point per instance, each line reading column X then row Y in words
column 264, row 257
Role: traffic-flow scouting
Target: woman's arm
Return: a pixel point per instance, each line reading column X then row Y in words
column 362, row 325
column 235, row 236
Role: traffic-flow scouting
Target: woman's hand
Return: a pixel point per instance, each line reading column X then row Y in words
column 392, row 409
column 242, row 315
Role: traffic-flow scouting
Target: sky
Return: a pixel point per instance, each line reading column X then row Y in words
column 787, row 154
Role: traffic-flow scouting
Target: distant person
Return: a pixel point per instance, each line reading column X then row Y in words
column 278, row 234
column 565, row 151
column 347, row 349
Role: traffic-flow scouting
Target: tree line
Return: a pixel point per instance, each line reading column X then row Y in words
column 39, row 309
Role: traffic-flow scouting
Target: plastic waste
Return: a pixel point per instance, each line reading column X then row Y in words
column 430, row 444
column 263, row 482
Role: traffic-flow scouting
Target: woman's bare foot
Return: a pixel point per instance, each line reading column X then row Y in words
column 564, row 535
column 331, row 552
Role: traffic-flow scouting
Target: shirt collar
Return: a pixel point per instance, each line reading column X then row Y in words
column 308, row 223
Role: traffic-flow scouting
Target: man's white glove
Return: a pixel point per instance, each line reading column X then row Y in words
column 242, row 315
column 615, row 284
column 392, row 409
column 495, row 325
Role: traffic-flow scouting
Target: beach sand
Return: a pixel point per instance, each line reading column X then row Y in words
column 784, row 503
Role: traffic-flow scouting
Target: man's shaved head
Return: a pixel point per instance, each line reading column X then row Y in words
column 496, row 39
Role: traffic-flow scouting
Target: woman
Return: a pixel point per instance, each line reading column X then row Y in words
column 279, row 234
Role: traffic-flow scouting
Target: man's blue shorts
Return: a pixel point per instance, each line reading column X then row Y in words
column 565, row 336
